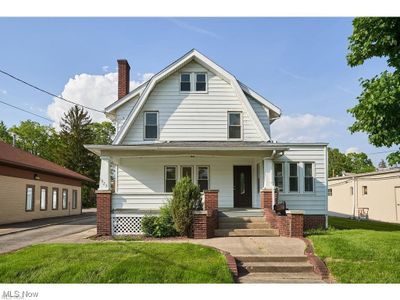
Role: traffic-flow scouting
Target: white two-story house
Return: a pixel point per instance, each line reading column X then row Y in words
column 195, row 119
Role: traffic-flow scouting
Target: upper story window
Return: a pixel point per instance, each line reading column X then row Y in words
column 278, row 168
column 234, row 125
column 293, row 178
column 150, row 125
column 185, row 82
column 201, row 82
column 308, row 177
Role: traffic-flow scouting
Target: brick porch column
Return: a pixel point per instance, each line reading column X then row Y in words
column 266, row 198
column 200, row 224
column 103, row 200
column 296, row 218
column 206, row 221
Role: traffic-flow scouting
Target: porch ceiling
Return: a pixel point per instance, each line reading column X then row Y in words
column 223, row 148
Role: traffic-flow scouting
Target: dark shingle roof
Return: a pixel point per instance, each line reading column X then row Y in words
column 16, row 157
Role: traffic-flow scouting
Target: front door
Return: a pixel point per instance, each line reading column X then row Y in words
column 242, row 186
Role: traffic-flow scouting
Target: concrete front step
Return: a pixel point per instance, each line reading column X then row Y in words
column 241, row 220
column 270, row 258
column 275, row 267
column 246, row 232
column 240, row 212
column 303, row 277
column 244, row 225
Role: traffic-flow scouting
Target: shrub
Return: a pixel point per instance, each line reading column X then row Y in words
column 159, row 226
column 186, row 198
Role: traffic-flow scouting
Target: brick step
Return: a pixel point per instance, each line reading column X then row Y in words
column 246, row 232
column 303, row 277
column 241, row 220
column 244, row 225
column 270, row 258
column 274, row 267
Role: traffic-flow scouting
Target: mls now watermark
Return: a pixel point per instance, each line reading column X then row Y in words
column 15, row 294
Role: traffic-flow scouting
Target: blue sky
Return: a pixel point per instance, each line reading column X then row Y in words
column 299, row 64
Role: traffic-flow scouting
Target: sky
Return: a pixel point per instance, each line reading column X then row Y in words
column 299, row 64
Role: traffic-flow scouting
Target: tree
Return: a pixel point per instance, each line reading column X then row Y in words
column 359, row 163
column 351, row 163
column 337, row 162
column 5, row 136
column 377, row 111
column 382, row 164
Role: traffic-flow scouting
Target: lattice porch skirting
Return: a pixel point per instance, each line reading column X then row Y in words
column 126, row 224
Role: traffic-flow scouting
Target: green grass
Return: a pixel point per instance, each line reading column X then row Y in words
column 117, row 262
column 360, row 251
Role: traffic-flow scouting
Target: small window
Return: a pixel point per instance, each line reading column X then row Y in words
column 351, row 190
column 187, row 171
column 364, row 190
column 201, row 82
column 74, row 199
column 54, row 199
column 278, row 167
column 170, row 178
column 151, row 125
column 329, row 192
column 308, row 177
column 293, row 178
column 43, row 198
column 235, row 125
column 64, row 199
column 185, row 82
column 203, row 178
column 30, row 198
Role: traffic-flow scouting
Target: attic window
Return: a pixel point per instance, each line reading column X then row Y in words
column 234, row 125
column 151, row 125
column 185, row 82
column 201, row 82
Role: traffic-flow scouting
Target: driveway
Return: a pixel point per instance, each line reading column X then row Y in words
column 65, row 228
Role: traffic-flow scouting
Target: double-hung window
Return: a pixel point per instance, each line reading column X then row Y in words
column 150, row 125
column 74, row 199
column 278, row 168
column 30, row 198
column 185, row 82
column 64, row 199
column 203, row 177
column 187, row 171
column 234, row 125
column 308, row 177
column 54, row 201
column 293, row 178
column 43, row 198
column 170, row 178
column 201, row 82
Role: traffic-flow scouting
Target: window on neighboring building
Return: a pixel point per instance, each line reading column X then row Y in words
column 185, row 82
column 150, row 125
column 278, row 169
column 201, row 82
column 54, row 199
column 74, row 199
column 365, row 190
column 308, row 177
column 293, row 178
column 234, row 125
column 203, row 177
column 64, row 199
column 43, row 198
column 30, row 198
column 170, row 178
column 187, row 171
column 329, row 192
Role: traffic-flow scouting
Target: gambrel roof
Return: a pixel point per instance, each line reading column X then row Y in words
column 144, row 90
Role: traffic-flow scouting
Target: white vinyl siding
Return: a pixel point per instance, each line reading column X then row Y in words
column 123, row 111
column 262, row 113
column 193, row 116
column 311, row 202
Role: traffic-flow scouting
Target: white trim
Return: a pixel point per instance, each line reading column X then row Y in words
column 191, row 55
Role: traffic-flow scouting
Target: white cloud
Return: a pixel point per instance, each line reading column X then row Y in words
column 303, row 128
column 105, row 68
column 96, row 91
column 353, row 150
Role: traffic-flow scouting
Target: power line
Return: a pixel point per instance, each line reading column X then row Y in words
column 48, row 93
column 381, row 152
column 27, row 111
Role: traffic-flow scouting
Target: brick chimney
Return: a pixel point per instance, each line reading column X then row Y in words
column 123, row 77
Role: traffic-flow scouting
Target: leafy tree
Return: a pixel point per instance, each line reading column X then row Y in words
column 102, row 133
column 5, row 136
column 382, row 164
column 337, row 162
column 377, row 111
column 351, row 163
column 41, row 140
column 359, row 163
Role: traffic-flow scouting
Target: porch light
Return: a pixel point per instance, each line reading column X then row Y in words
column 36, row 177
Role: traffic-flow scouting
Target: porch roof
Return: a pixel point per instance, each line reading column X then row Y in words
column 197, row 146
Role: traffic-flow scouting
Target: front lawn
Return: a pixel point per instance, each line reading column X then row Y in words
column 119, row 262
column 360, row 251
